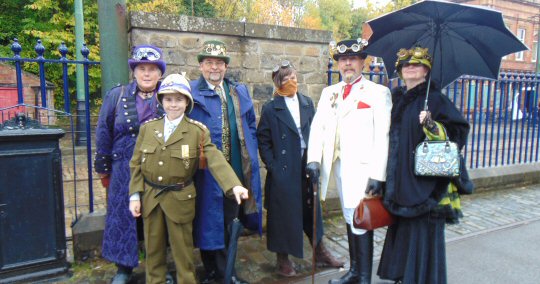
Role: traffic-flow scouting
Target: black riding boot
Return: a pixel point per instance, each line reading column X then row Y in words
column 365, row 256
column 352, row 276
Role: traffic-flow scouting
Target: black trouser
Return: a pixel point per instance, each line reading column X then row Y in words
column 216, row 260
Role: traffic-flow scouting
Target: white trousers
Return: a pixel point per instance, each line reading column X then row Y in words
column 348, row 213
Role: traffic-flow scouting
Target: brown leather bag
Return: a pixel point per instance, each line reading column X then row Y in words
column 370, row 214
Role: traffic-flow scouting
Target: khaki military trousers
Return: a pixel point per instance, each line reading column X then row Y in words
column 156, row 228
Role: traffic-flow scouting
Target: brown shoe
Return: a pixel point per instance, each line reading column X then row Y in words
column 285, row 266
column 324, row 258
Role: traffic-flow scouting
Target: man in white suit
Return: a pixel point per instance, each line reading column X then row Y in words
column 349, row 139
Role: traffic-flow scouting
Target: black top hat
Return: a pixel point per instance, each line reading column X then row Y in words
column 348, row 47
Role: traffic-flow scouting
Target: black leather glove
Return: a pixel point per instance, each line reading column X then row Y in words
column 312, row 171
column 374, row 187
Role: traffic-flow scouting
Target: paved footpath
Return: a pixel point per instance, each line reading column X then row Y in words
column 500, row 213
column 497, row 241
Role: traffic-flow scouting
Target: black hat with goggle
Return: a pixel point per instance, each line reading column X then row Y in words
column 349, row 47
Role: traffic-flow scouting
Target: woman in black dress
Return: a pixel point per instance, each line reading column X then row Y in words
column 414, row 248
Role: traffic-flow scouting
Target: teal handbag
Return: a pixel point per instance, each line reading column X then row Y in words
column 437, row 159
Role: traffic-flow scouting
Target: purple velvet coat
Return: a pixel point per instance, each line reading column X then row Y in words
column 116, row 134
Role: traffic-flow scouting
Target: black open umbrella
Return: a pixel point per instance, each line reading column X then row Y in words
column 463, row 39
column 235, row 229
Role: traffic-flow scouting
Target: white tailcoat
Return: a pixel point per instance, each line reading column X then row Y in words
column 363, row 137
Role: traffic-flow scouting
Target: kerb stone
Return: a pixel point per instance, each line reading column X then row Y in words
column 88, row 235
column 505, row 176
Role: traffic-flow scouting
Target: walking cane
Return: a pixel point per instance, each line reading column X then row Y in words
column 314, row 185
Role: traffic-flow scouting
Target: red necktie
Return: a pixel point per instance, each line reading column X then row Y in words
column 348, row 88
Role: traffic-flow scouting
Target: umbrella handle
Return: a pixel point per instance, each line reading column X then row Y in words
column 237, row 210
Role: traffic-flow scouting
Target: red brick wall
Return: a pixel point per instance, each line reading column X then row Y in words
column 8, row 79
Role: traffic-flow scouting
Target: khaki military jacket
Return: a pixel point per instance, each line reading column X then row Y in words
column 175, row 161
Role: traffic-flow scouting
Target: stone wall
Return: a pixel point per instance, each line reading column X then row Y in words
column 254, row 49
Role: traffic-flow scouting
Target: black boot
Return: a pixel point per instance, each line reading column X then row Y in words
column 352, row 276
column 365, row 256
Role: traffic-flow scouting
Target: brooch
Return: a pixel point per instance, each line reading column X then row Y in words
column 333, row 100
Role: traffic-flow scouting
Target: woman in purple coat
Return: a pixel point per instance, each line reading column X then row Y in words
column 124, row 109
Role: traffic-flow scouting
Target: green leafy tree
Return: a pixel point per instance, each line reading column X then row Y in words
column 336, row 16
column 358, row 19
column 311, row 18
column 10, row 23
column 157, row 6
column 229, row 9
column 53, row 22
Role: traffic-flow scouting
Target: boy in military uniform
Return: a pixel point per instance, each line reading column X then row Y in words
column 167, row 153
